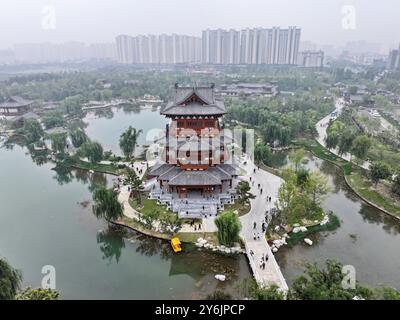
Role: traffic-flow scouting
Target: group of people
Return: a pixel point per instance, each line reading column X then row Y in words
column 263, row 261
column 195, row 225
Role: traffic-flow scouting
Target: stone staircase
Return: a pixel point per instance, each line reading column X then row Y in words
column 192, row 207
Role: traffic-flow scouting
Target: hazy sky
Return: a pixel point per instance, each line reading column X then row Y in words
column 101, row 20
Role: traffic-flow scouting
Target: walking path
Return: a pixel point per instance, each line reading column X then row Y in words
column 259, row 248
column 322, row 126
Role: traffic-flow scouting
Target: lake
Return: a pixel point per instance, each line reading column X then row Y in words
column 46, row 219
column 367, row 239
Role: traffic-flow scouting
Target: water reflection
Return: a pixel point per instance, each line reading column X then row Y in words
column 111, row 242
column 367, row 237
column 150, row 246
column 104, row 113
column 63, row 175
column 389, row 224
column 131, row 108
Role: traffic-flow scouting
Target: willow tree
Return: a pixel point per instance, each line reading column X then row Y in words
column 92, row 150
column 58, row 142
column 229, row 226
column 128, row 141
column 106, row 204
column 10, row 281
column 78, row 137
column 262, row 154
column 33, row 130
column 297, row 156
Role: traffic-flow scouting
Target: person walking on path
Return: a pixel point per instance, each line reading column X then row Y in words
column 254, row 225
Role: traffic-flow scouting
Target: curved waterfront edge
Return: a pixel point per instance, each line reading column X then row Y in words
column 342, row 170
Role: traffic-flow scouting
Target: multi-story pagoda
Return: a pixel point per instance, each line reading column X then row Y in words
column 195, row 175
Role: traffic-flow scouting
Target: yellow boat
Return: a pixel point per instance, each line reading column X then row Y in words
column 176, row 244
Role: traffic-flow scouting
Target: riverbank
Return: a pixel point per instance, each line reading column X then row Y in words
column 354, row 178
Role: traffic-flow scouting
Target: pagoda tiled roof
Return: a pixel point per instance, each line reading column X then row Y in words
column 204, row 104
column 195, row 178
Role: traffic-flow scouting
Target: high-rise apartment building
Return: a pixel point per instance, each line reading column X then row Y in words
column 311, row 59
column 393, row 62
column 251, row 46
column 155, row 49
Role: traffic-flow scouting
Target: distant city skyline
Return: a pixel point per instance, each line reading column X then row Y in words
column 100, row 21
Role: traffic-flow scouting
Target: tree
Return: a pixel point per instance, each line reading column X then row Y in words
column 218, row 295
column 361, row 145
column 325, row 284
column 317, row 187
column 135, row 183
column 33, row 130
column 37, row 294
column 302, row 176
column 333, row 134
column 297, row 156
column 78, row 137
column 396, row 185
column 287, row 192
column 58, row 142
column 128, row 141
column 149, row 216
column 386, row 293
column 92, row 150
column 170, row 223
column 106, row 204
column 378, row 171
column 268, row 293
column 332, row 140
column 243, row 192
column 72, row 105
column 353, row 90
column 229, row 226
column 345, row 142
column 53, row 119
column 250, row 289
column 10, row 281
column 262, row 154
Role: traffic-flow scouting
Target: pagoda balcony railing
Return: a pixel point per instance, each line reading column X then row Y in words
column 183, row 132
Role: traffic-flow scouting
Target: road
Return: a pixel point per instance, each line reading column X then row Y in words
column 322, row 126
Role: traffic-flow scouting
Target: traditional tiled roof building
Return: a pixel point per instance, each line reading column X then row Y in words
column 196, row 160
column 15, row 106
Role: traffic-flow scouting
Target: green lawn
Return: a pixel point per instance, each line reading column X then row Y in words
column 320, row 151
column 148, row 205
column 364, row 188
column 295, row 238
column 242, row 209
